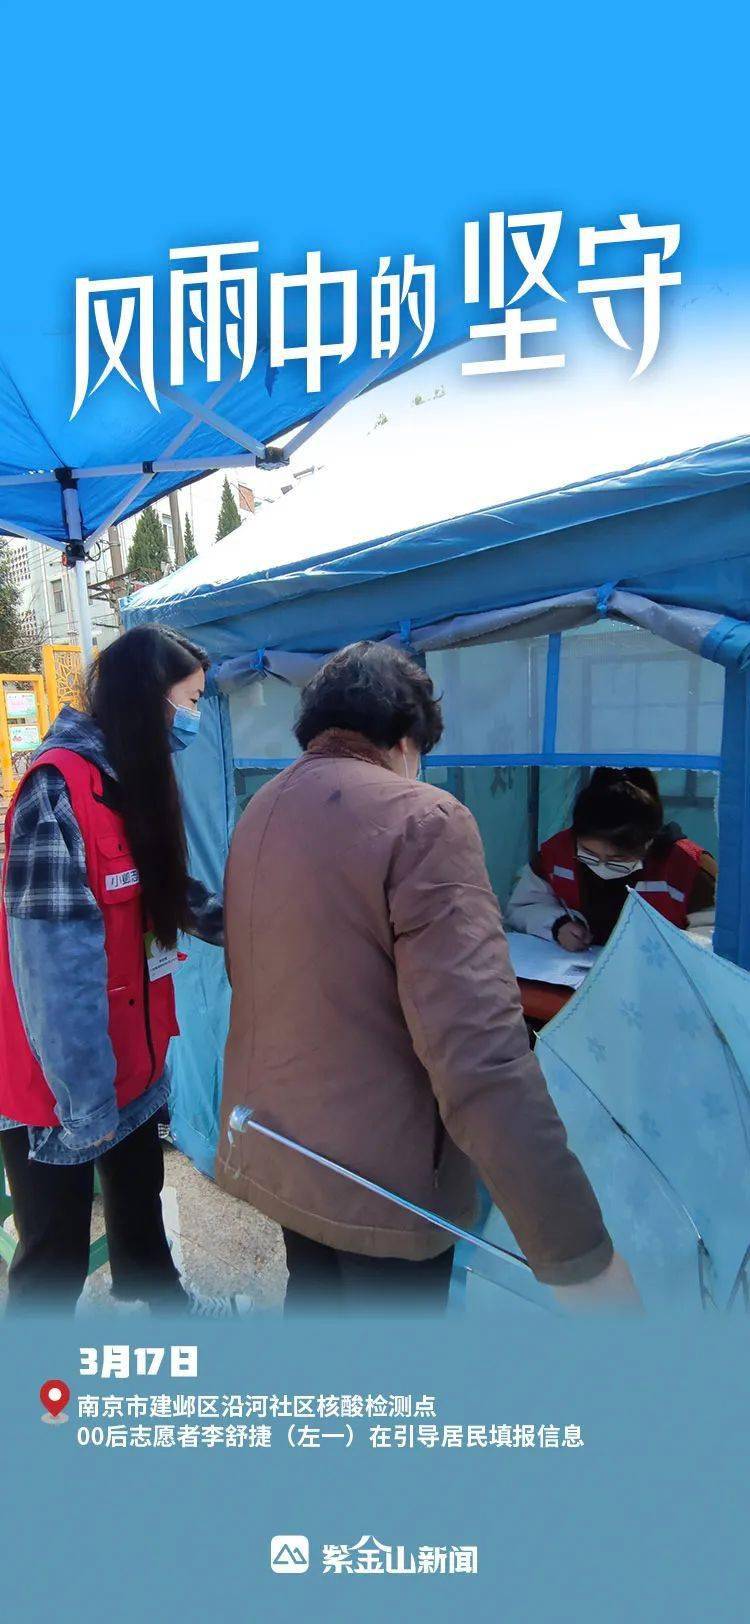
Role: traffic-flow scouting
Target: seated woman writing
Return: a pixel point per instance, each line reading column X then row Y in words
column 576, row 886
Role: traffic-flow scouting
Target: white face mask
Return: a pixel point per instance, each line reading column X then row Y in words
column 612, row 870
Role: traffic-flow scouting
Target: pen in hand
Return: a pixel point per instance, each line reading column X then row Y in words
column 573, row 937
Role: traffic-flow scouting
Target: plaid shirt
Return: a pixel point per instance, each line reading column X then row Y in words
column 46, row 876
column 53, row 916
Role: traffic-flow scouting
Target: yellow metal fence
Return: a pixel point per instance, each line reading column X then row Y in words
column 29, row 703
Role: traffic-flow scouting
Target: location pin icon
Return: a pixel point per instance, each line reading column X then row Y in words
column 54, row 1396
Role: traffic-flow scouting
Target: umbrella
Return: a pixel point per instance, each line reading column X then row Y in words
column 649, row 1066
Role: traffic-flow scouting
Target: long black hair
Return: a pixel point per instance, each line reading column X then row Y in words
column 126, row 693
column 622, row 803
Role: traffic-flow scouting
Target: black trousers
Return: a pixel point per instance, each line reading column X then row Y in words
column 323, row 1277
column 52, row 1211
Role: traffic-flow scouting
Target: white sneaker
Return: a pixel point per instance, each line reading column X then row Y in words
column 233, row 1307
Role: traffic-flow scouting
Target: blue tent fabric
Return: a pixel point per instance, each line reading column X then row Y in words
column 649, row 1067
column 674, row 531
column 729, row 643
column 719, row 638
column 732, row 933
column 201, row 986
column 118, row 427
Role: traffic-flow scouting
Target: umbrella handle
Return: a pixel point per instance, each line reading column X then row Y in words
column 243, row 1118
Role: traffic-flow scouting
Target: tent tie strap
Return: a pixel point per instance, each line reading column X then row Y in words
column 604, row 597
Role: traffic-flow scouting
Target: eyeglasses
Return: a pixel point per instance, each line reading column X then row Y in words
column 616, row 864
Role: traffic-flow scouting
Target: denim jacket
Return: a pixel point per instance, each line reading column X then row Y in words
column 58, row 962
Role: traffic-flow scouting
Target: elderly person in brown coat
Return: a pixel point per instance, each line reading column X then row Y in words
column 376, row 1018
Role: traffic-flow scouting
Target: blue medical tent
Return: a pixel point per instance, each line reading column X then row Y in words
column 606, row 620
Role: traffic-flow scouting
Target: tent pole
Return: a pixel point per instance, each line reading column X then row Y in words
column 203, row 410
column 358, row 385
column 83, row 606
column 732, row 932
column 169, row 450
column 74, row 522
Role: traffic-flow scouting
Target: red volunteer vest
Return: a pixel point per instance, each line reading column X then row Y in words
column 141, row 1012
column 666, row 880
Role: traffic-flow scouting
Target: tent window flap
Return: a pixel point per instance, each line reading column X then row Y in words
column 605, row 691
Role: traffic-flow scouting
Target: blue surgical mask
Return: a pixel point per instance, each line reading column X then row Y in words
column 185, row 725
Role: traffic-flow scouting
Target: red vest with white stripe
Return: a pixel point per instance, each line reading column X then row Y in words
column 141, row 1012
column 665, row 880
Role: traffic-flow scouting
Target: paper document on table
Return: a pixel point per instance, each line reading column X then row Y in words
column 535, row 959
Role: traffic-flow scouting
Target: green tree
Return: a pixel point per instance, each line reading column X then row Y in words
column 189, row 541
column 229, row 515
column 16, row 651
column 148, row 559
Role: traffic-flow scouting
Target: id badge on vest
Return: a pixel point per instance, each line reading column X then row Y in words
column 161, row 961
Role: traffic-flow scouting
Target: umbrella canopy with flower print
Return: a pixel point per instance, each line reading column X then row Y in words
column 649, row 1066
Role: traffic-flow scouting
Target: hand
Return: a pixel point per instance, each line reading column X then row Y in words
column 105, row 1141
column 574, row 936
column 612, row 1291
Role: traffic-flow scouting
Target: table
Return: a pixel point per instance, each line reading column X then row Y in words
column 541, row 1000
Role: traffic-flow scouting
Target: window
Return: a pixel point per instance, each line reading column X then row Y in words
column 247, row 781
column 17, row 557
column 58, row 597
column 493, row 697
column 519, row 807
column 606, row 692
column 262, row 716
column 501, row 801
column 525, row 720
column 624, row 689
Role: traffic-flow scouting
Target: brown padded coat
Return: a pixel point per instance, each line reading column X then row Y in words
column 376, row 1020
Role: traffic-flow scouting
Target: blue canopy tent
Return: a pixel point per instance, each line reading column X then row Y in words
column 66, row 475
column 69, row 469
column 497, row 601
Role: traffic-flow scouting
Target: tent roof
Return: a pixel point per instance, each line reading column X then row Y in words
column 396, row 532
column 117, row 434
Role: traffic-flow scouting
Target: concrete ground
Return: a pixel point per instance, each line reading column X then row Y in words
column 220, row 1244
